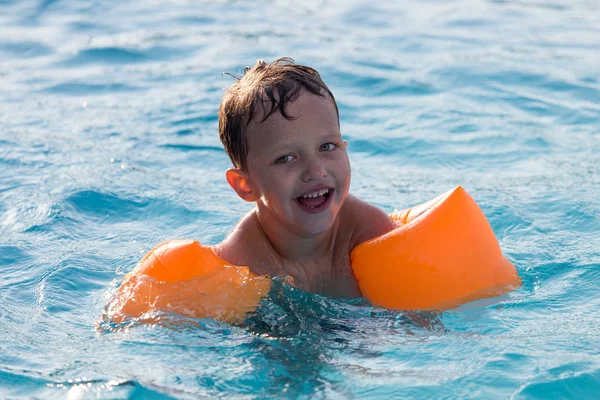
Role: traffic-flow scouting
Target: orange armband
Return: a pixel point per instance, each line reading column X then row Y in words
column 185, row 277
column 442, row 254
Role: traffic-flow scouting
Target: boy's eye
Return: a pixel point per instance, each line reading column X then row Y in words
column 328, row 146
column 283, row 159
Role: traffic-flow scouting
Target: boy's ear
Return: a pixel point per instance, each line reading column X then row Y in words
column 239, row 181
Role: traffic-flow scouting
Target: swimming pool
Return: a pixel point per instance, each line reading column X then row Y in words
column 108, row 146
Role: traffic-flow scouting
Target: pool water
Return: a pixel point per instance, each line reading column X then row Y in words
column 108, row 146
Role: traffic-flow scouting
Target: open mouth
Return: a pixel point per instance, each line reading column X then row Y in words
column 316, row 201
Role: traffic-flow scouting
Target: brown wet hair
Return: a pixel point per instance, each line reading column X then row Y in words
column 272, row 86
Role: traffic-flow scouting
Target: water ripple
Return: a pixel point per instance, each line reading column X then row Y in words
column 567, row 382
column 24, row 49
column 118, row 55
column 78, row 89
column 189, row 147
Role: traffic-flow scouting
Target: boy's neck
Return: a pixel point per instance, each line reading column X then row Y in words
column 291, row 247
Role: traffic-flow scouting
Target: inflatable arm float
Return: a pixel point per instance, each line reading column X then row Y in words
column 442, row 254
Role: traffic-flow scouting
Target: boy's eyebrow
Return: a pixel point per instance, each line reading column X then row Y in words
column 332, row 136
column 279, row 149
column 276, row 151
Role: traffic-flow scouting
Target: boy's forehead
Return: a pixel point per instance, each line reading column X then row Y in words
column 308, row 112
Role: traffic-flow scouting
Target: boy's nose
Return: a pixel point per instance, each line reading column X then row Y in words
column 313, row 170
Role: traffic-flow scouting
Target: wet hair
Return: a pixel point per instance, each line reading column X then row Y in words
column 272, row 86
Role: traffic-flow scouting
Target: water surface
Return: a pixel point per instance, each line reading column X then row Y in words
column 108, row 146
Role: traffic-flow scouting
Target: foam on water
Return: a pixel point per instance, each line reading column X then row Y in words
column 108, row 146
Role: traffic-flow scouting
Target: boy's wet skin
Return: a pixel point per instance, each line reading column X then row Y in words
column 305, row 224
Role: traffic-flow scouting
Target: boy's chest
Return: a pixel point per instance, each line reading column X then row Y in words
column 331, row 277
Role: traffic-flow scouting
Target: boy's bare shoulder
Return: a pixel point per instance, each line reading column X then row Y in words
column 241, row 241
column 365, row 220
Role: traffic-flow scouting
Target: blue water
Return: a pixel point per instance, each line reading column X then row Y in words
column 108, row 146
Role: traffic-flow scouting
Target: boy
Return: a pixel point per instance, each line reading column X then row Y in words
column 279, row 124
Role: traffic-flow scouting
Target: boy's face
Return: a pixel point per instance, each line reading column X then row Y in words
column 299, row 169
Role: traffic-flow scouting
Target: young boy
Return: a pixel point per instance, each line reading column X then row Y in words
column 279, row 124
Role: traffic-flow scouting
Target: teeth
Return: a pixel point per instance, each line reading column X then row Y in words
column 316, row 194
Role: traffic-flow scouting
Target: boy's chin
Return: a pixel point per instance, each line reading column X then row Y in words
column 314, row 228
